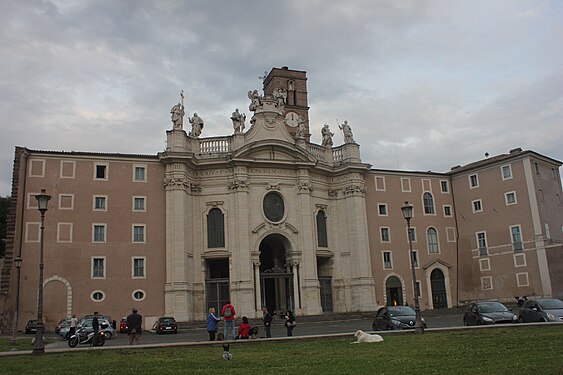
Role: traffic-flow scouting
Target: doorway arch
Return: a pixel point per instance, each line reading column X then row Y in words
column 394, row 291
column 438, row 285
column 276, row 277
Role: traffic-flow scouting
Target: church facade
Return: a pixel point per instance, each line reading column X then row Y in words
column 264, row 217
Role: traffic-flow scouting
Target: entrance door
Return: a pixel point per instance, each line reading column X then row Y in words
column 326, row 293
column 394, row 290
column 439, row 296
column 276, row 280
column 217, row 284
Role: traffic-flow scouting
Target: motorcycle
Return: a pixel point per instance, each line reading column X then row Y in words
column 82, row 337
column 520, row 300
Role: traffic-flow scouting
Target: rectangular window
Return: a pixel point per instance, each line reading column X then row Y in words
column 418, row 289
column 100, row 171
column 444, row 186
column 32, row 231
column 520, row 259
column 387, row 262
column 380, row 183
column 37, row 168
column 99, row 233
column 406, row 185
column 477, row 205
column 522, row 279
column 64, row 232
column 426, row 185
column 138, row 268
column 482, row 243
column 484, row 264
column 506, row 172
column 66, row 201
column 98, row 268
column 447, row 210
column 412, row 234
column 385, row 236
column 486, row 283
column 510, row 198
column 415, row 258
column 67, row 169
column 473, row 181
column 139, row 233
column 547, row 231
column 382, row 209
column 537, row 168
column 516, row 236
column 139, row 204
column 450, row 234
column 139, row 173
column 100, row 203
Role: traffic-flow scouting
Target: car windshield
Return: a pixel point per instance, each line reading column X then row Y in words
column 167, row 320
column 489, row 307
column 400, row 311
column 551, row 304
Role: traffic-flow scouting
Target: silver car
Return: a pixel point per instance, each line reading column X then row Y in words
column 541, row 310
column 105, row 326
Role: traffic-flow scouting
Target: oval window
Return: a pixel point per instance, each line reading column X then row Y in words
column 97, row 296
column 138, row 295
column 273, row 207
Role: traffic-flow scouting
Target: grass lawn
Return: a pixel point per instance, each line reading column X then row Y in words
column 518, row 350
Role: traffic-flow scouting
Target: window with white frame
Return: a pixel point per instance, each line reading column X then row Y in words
column 100, row 202
column 486, row 283
column 97, row 296
column 447, row 210
column 482, row 243
column 100, row 171
column 418, row 288
column 66, row 201
column 444, row 185
column 428, row 201
column 516, row 236
column 412, row 234
column 67, row 169
column 506, row 171
column 473, row 181
column 98, row 268
column 139, row 268
column 510, row 198
column 387, row 260
column 139, row 173
column 139, row 233
column 139, row 295
column 522, row 279
column 385, row 236
column 477, row 205
column 99, row 233
column 405, row 185
column 432, row 241
column 484, row 264
column 382, row 209
column 379, row 183
column 414, row 255
column 139, row 204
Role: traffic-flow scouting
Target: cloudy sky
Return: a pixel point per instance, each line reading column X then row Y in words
column 425, row 84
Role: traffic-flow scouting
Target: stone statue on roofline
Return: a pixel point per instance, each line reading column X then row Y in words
column 197, row 125
column 255, row 100
column 177, row 113
column 280, row 96
column 238, row 121
column 347, row 131
column 327, row 136
column 301, row 126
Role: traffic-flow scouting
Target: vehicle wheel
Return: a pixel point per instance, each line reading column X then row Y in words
column 73, row 342
column 108, row 335
column 101, row 341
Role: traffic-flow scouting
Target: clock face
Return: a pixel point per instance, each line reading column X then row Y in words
column 292, row 119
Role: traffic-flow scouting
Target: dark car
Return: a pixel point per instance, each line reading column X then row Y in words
column 395, row 317
column 123, row 325
column 62, row 323
column 541, row 310
column 165, row 324
column 483, row 313
column 31, row 326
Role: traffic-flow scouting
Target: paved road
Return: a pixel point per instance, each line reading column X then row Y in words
column 434, row 318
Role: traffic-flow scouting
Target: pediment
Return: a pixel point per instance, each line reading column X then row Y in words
column 436, row 261
column 273, row 150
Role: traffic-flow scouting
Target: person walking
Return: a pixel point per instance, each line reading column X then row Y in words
column 96, row 329
column 73, row 324
column 289, row 323
column 267, row 322
column 228, row 312
column 212, row 323
column 134, row 327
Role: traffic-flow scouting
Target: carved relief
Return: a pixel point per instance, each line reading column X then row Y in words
column 236, row 184
column 352, row 189
column 304, row 187
column 273, row 187
column 333, row 192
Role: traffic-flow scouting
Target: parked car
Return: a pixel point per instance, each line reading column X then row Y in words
column 31, row 326
column 105, row 325
column 483, row 313
column 123, row 325
column 541, row 310
column 395, row 317
column 165, row 324
column 62, row 323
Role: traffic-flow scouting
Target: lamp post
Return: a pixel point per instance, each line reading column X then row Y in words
column 18, row 262
column 407, row 214
column 38, row 345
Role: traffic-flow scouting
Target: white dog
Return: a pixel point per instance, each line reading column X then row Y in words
column 366, row 337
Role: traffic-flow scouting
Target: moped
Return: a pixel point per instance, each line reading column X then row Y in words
column 83, row 338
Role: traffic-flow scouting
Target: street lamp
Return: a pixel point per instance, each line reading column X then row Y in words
column 38, row 345
column 407, row 214
column 18, row 263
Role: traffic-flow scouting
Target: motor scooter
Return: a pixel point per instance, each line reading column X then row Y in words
column 520, row 300
column 83, row 338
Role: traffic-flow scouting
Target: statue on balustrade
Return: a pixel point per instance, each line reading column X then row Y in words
column 347, row 131
column 327, row 136
column 238, row 121
column 197, row 125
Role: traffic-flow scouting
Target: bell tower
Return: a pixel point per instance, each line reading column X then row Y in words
column 294, row 84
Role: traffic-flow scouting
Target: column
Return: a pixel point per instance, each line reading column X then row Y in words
column 295, row 270
column 257, row 289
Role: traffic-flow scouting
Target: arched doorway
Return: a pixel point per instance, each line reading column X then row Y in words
column 276, row 279
column 438, row 284
column 394, row 290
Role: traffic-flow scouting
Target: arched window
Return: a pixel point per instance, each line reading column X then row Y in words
column 322, row 237
column 428, row 200
column 215, row 228
column 432, row 240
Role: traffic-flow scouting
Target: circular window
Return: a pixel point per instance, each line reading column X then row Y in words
column 273, row 207
column 97, row 296
column 138, row 295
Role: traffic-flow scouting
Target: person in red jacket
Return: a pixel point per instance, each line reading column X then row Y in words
column 228, row 312
column 244, row 329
